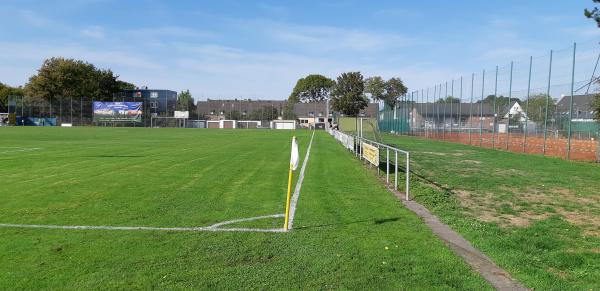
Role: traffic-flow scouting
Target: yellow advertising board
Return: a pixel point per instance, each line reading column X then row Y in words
column 370, row 153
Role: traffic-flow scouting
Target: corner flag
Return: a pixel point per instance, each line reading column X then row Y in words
column 294, row 158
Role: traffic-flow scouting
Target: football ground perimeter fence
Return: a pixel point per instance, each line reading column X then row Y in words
column 76, row 111
column 539, row 105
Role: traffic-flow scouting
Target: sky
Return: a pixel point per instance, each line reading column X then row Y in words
column 259, row 49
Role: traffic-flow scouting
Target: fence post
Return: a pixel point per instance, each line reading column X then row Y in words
column 396, row 170
column 451, row 103
column 571, row 101
column 471, row 107
column 387, row 165
column 481, row 109
column 547, row 101
column 445, row 106
column 527, row 104
column 426, row 114
column 412, row 112
column 460, row 109
column 81, row 111
column 71, row 111
column 407, row 175
column 509, row 101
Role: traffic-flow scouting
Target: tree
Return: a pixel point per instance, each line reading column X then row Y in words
column 6, row 91
column 347, row 95
column 501, row 101
column 536, row 111
column 288, row 111
column 449, row 99
column 311, row 88
column 375, row 86
column 125, row 85
column 185, row 102
column 62, row 78
column 387, row 91
column 593, row 14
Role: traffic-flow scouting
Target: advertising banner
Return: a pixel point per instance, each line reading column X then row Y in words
column 370, row 153
column 117, row 111
column 181, row 114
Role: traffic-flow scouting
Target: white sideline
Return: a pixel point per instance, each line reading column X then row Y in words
column 299, row 184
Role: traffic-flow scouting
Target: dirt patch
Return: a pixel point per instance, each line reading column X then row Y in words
column 484, row 207
column 472, row 162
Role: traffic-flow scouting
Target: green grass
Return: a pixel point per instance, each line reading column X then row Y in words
column 537, row 217
column 351, row 233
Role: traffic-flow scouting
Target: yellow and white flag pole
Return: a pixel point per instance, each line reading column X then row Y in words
column 293, row 165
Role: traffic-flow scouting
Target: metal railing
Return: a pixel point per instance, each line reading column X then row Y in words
column 357, row 148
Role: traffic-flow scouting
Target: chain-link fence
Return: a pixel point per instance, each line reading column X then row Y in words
column 77, row 111
column 540, row 105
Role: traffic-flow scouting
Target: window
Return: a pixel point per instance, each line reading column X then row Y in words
column 311, row 113
column 152, row 94
column 154, row 104
column 212, row 112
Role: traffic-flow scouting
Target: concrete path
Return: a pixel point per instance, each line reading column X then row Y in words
column 496, row 276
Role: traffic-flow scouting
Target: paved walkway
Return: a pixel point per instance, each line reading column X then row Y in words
column 495, row 275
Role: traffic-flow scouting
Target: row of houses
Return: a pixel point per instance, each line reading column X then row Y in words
column 306, row 114
column 484, row 116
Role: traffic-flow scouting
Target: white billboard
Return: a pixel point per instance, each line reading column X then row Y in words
column 181, row 114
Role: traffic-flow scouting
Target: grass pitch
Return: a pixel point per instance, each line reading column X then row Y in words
column 350, row 233
column 537, row 217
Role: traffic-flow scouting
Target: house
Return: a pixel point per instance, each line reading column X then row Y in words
column 156, row 102
column 307, row 114
column 582, row 118
column 461, row 115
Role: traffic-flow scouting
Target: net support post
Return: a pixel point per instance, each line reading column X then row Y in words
column 396, row 170
column 387, row 165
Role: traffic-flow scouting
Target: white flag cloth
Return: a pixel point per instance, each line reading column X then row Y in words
column 295, row 157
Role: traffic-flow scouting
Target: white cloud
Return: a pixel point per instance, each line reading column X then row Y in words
column 321, row 38
column 96, row 32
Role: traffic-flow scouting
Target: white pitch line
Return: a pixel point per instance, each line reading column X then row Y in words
column 17, row 149
column 213, row 228
column 299, row 184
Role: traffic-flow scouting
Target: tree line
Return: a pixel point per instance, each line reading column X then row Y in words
column 60, row 78
column 349, row 93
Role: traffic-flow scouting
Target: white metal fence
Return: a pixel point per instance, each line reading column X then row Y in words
column 356, row 144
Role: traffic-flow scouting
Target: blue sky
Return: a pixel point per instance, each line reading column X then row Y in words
column 258, row 49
